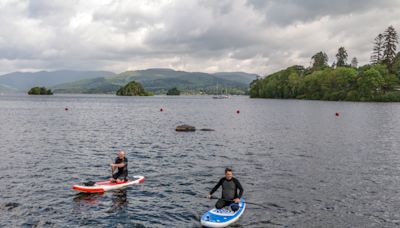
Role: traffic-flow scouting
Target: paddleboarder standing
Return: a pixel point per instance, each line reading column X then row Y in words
column 121, row 163
column 230, row 187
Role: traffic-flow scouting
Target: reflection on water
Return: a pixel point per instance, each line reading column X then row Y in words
column 117, row 200
column 87, row 198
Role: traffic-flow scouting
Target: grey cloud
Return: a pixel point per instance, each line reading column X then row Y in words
column 213, row 39
column 285, row 12
column 247, row 35
column 221, row 7
column 43, row 8
column 216, row 31
column 123, row 18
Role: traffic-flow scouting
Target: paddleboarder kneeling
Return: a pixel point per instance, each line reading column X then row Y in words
column 230, row 185
column 121, row 163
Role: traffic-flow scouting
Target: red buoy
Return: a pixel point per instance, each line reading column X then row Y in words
column 337, row 114
column 161, row 109
column 238, row 111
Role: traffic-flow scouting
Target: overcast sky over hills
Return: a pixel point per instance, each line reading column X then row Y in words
column 256, row 36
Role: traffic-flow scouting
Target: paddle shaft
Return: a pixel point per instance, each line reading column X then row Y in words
column 112, row 169
column 260, row 205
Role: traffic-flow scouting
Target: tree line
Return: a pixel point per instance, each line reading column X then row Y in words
column 376, row 81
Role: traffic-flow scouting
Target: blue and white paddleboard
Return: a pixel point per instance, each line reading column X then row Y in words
column 222, row 217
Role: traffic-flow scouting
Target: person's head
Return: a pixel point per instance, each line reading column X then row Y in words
column 228, row 173
column 121, row 154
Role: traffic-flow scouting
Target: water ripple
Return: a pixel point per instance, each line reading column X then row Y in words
column 305, row 166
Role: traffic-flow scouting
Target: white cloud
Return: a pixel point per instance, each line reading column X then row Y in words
column 204, row 35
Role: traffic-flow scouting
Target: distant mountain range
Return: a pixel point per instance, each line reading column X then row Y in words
column 23, row 81
column 160, row 80
column 157, row 80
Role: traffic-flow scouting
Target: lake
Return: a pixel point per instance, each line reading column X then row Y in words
column 307, row 166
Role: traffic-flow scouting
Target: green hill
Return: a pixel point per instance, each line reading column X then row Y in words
column 241, row 77
column 161, row 80
column 7, row 89
column 96, row 85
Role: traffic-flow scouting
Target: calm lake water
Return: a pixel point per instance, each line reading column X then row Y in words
column 308, row 167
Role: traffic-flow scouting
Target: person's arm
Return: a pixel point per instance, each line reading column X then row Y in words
column 120, row 165
column 239, row 186
column 216, row 187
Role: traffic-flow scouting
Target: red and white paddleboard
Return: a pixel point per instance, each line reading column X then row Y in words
column 104, row 186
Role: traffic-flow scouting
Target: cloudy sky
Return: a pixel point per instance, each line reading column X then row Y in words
column 257, row 36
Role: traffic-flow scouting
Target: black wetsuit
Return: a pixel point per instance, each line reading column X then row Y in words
column 122, row 173
column 229, row 192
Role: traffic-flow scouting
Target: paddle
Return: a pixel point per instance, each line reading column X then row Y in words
column 112, row 170
column 256, row 204
column 92, row 183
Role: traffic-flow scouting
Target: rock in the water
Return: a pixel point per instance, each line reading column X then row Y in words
column 185, row 128
column 207, row 129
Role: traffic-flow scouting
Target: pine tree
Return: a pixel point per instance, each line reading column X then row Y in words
column 354, row 62
column 341, row 57
column 377, row 52
column 390, row 45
